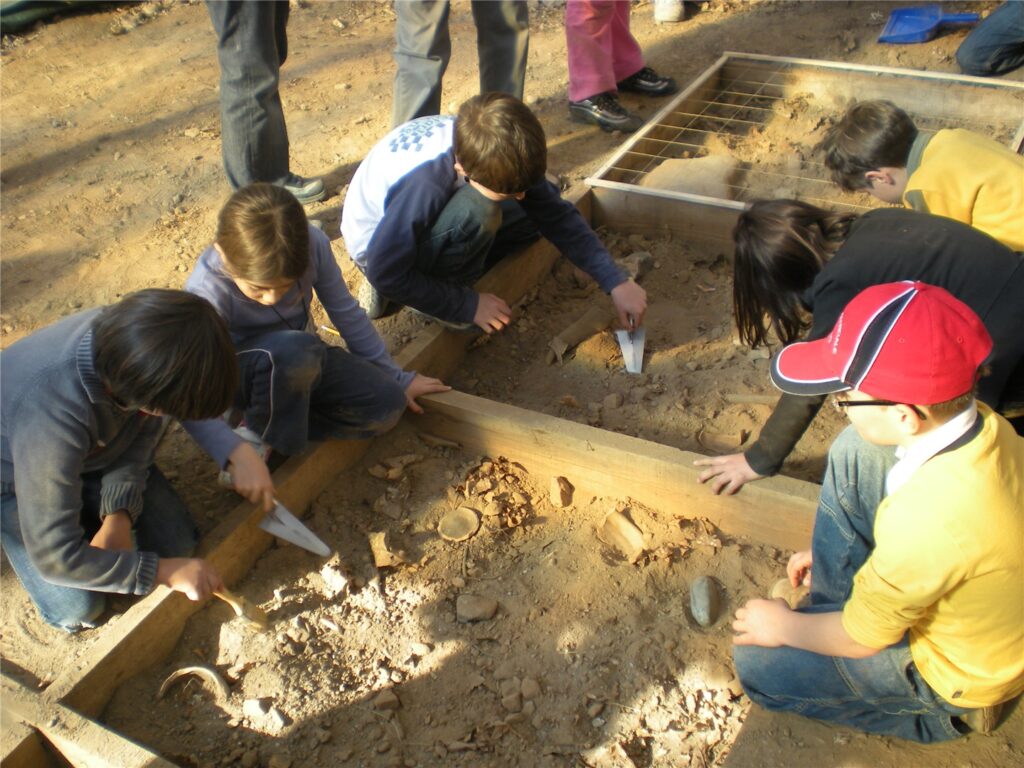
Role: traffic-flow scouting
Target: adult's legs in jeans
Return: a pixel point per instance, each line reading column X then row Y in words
column 882, row 694
column 278, row 372
column 165, row 527
column 996, row 45
column 354, row 399
column 843, row 536
column 502, row 43
column 251, row 47
column 422, row 50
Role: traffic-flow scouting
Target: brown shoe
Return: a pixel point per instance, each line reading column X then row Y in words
column 795, row 597
column 984, row 719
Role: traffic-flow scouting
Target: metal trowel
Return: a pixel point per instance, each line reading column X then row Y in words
column 283, row 524
column 631, row 342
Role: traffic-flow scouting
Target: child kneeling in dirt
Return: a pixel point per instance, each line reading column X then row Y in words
column 84, row 403
column 916, row 617
column 953, row 172
column 260, row 274
column 440, row 200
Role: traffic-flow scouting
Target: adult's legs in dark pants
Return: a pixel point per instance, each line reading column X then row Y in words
column 294, row 388
column 252, row 45
column 502, row 44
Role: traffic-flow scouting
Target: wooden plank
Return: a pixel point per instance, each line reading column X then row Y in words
column 21, row 746
column 81, row 741
column 778, row 511
column 148, row 631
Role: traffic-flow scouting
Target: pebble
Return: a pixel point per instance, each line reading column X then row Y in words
column 561, row 492
column 530, row 688
column 614, row 400
column 493, row 509
column 475, row 608
column 504, row 671
column 255, row 708
column 705, row 600
column 249, row 758
column 513, row 702
column 386, row 700
column 277, row 718
column 420, row 649
column 595, row 708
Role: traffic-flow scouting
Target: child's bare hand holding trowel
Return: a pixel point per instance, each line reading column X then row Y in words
column 197, row 579
column 630, row 303
column 250, row 476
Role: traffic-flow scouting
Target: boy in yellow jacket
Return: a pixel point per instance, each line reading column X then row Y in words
column 916, row 567
column 955, row 173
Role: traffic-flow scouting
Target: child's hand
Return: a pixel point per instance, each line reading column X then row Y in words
column 422, row 385
column 798, row 569
column 250, row 476
column 630, row 301
column 726, row 473
column 760, row 622
column 195, row 578
column 115, row 532
column 492, row 313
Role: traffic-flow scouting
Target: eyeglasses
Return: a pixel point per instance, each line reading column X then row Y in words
column 841, row 403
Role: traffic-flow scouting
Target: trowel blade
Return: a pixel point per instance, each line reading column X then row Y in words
column 283, row 524
column 632, row 345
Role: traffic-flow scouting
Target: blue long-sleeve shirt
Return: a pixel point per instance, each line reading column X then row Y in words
column 58, row 422
column 247, row 318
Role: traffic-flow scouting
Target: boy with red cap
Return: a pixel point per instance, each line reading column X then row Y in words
column 915, row 626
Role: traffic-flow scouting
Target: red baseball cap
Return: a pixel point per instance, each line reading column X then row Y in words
column 907, row 342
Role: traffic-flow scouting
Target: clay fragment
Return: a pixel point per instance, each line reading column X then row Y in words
column 383, row 555
column 386, row 700
column 618, row 531
column 459, row 524
column 595, row 320
column 561, row 492
column 469, row 608
column 205, row 673
column 705, row 600
column 722, row 444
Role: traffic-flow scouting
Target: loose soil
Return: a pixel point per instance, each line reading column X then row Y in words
column 111, row 182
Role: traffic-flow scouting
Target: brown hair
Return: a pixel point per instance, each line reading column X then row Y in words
column 166, row 351
column 500, row 143
column 263, row 234
column 871, row 135
column 781, row 246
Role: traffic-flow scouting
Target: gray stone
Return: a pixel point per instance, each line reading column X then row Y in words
column 705, row 600
column 475, row 608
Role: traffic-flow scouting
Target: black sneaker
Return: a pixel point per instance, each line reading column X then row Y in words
column 305, row 190
column 604, row 110
column 649, row 82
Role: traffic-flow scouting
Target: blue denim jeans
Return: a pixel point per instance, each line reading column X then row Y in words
column 294, row 388
column 252, row 44
column 423, row 47
column 996, row 45
column 883, row 693
column 471, row 235
column 165, row 527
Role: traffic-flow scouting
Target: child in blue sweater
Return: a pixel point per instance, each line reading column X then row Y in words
column 260, row 274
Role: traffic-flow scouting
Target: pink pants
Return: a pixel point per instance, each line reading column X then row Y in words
column 601, row 50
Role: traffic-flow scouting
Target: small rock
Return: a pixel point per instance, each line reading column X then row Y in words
column 705, row 600
column 335, row 580
column 612, row 401
column 619, row 532
column 255, row 708
column 561, row 492
column 595, row 708
column 459, row 583
column 387, row 700
column 277, row 718
column 504, row 671
column 420, row 649
column 493, row 509
column 475, row 608
column 383, row 555
column 513, row 702
column 530, row 688
column 250, row 758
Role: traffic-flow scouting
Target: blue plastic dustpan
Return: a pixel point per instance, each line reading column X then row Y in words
column 920, row 24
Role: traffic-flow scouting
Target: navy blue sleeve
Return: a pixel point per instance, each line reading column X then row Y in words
column 562, row 224
column 410, row 210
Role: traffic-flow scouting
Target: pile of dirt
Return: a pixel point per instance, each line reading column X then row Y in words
column 533, row 642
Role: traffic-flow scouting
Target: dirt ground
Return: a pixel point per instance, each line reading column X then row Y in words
column 111, row 180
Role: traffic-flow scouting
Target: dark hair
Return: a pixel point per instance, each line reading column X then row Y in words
column 500, row 143
column 781, row 246
column 263, row 234
column 871, row 135
column 166, row 351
